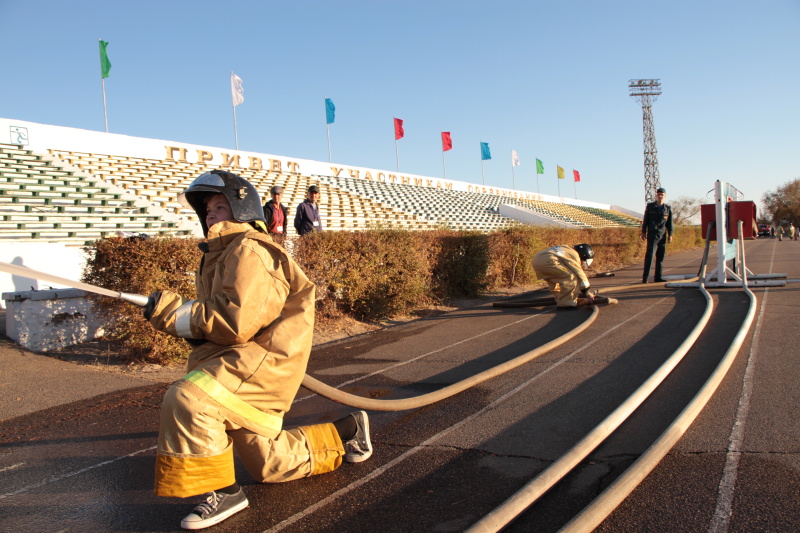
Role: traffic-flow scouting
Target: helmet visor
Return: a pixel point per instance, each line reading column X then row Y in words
column 206, row 182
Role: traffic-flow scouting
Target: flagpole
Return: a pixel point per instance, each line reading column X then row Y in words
column 105, row 113
column 233, row 104
column 558, row 180
column 329, row 118
column 328, row 127
column 103, row 74
column 443, row 161
column 575, row 184
column 235, row 129
column 513, row 178
column 396, row 152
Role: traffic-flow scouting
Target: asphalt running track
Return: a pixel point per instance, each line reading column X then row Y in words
column 88, row 465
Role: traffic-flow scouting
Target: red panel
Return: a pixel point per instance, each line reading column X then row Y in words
column 746, row 212
column 708, row 213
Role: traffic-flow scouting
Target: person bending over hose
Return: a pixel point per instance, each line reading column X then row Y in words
column 251, row 325
column 562, row 267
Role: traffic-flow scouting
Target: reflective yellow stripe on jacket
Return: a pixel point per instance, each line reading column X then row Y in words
column 232, row 402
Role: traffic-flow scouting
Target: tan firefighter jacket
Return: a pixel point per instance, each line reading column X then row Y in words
column 569, row 258
column 255, row 310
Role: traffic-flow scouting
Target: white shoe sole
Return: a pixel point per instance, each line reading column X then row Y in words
column 361, row 457
column 202, row 524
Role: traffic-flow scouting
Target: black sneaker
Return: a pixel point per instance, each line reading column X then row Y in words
column 217, row 507
column 359, row 448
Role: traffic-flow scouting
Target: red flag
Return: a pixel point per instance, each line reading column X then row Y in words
column 447, row 142
column 577, row 175
column 398, row 129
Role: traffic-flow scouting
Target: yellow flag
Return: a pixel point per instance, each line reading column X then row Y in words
column 560, row 172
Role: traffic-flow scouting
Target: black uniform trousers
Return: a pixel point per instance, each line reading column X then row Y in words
column 658, row 248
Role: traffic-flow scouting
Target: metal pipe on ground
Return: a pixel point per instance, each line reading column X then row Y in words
column 534, row 489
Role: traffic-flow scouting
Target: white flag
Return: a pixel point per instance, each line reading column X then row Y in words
column 514, row 158
column 237, row 92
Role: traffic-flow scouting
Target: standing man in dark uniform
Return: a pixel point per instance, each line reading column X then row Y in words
column 277, row 215
column 657, row 228
column 307, row 219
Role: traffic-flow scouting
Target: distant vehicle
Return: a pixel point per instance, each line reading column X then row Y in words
column 763, row 230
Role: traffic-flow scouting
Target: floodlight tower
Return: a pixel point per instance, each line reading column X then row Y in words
column 646, row 92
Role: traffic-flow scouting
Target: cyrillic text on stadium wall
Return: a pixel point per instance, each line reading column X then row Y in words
column 279, row 166
column 176, row 153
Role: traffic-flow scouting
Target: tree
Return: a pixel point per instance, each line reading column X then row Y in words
column 782, row 206
column 685, row 210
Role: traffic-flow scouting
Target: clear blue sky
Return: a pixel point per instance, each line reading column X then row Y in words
column 545, row 78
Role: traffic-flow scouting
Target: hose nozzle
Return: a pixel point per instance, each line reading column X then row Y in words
column 137, row 299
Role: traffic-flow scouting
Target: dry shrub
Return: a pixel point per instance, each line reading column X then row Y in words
column 368, row 275
column 459, row 261
column 141, row 266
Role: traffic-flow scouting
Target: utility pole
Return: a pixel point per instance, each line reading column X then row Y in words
column 646, row 92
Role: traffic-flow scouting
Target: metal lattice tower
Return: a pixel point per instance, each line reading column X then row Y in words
column 646, row 92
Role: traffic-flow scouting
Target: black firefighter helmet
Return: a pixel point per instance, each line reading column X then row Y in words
column 585, row 251
column 240, row 193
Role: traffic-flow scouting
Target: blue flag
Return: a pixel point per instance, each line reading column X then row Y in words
column 485, row 153
column 330, row 110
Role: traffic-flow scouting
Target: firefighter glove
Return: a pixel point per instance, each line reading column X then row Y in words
column 152, row 302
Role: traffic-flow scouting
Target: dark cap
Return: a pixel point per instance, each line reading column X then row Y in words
column 276, row 190
column 313, row 188
column 661, row 189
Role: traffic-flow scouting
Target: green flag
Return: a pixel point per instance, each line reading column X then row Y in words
column 539, row 167
column 105, row 64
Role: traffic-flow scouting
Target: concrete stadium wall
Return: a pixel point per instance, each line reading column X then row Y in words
column 526, row 216
column 42, row 137
column 627, row 211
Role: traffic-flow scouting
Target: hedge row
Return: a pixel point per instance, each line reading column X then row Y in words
column 368, row 275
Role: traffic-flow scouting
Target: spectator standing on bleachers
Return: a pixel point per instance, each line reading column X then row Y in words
column 657, row 228
column 251, row 327
column 307, row 219
column 277, row 215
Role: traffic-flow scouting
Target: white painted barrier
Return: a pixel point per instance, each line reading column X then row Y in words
column 50, row 319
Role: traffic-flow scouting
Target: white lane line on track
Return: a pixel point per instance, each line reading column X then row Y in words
column 397, row 460
column 384, row 467
column 70, row 474
column 11, row 467
column 401, row 363
column 59, row 478
column 727, row 484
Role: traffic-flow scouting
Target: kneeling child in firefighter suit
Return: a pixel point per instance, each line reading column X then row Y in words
column 252, row 325
column 562, row 267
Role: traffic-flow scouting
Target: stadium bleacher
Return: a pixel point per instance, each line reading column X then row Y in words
column 42, row 199
column 78, row 196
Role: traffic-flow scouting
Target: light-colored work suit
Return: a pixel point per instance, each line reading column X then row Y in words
column 255, row 310
column 560, row 266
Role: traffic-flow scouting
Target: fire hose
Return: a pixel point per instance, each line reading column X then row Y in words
column 327, row 391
